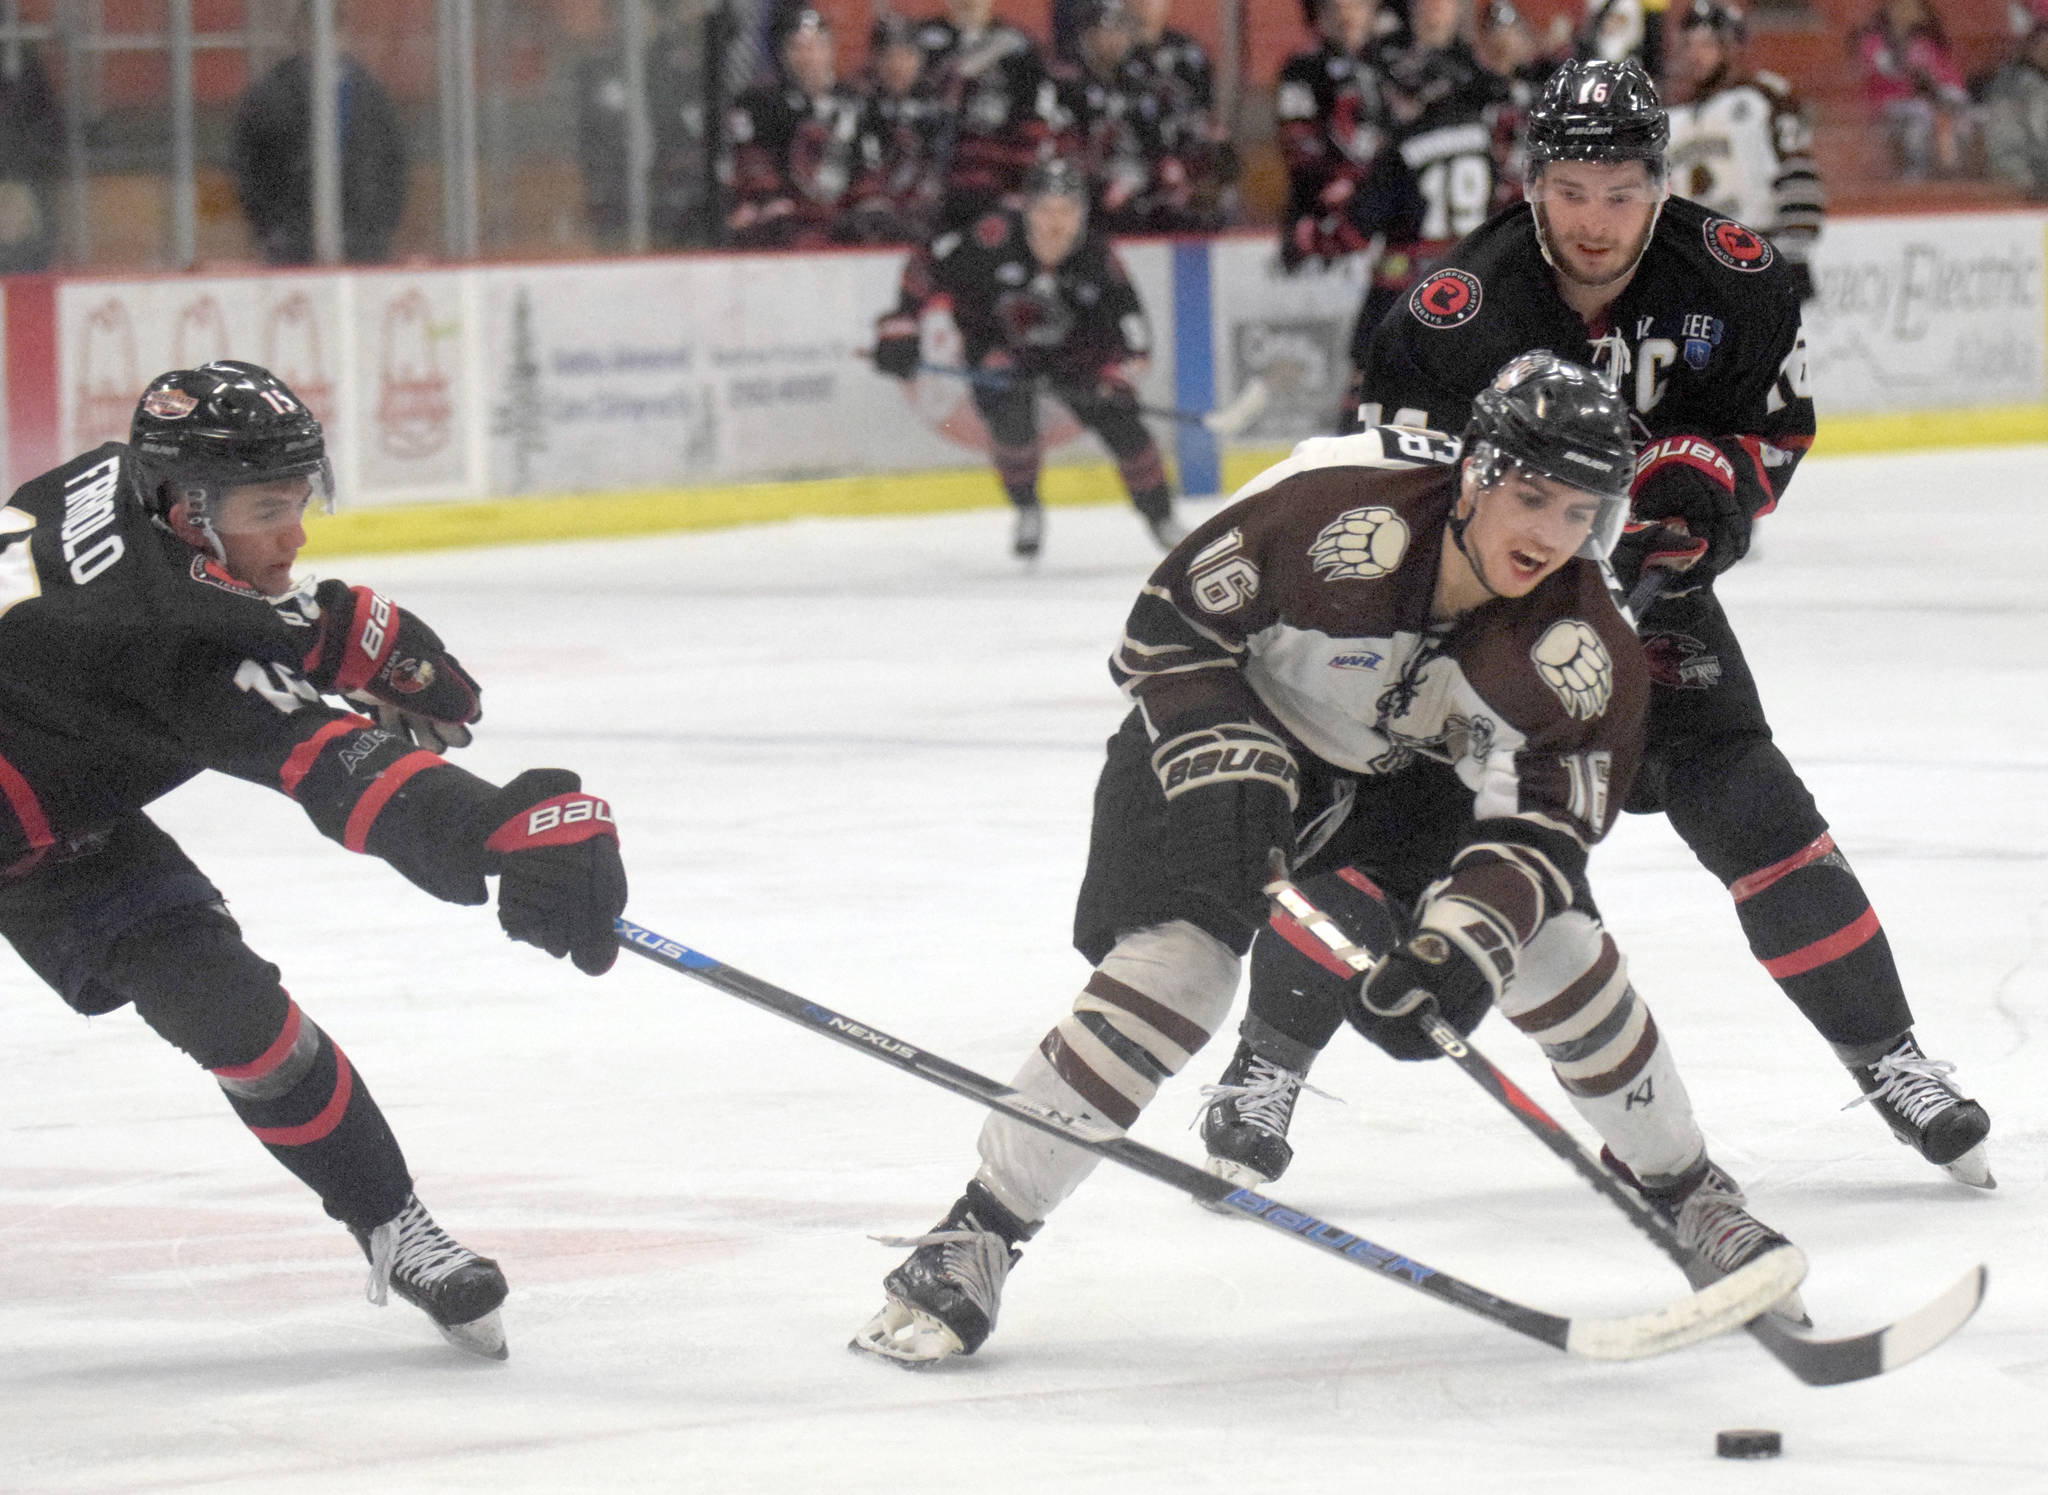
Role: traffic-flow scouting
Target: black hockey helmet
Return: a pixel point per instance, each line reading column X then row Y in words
column 199, row 432
column 1561, row 421
column 1596, row 110
column 1725, row 20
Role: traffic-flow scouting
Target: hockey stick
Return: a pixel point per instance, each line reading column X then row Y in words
column 1816, row 1361
column 1224, row 422
column 1700, row 1315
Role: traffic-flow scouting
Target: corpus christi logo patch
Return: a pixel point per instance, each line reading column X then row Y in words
column 1737, row 247
column 1446, row 299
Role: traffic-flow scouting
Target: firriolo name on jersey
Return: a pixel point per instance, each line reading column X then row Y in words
column 88, row 510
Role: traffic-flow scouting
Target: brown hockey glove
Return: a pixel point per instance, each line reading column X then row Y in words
column 369, row 647
column 560, row 879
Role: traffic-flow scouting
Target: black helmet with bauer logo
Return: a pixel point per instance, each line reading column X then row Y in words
column 199, row 432
column 1595, row 110
column 1561, row 421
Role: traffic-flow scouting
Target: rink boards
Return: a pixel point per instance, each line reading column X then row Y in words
column 695, row 390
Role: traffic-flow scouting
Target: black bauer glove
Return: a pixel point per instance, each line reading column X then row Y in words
column 368, row 647
column 897, row 347
column 555, row 850
column 1690, row 479
column 1230, row 797
column 1655, row 545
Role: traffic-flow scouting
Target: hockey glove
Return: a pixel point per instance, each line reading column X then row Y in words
column 419, row 731
column 369, row 647
column 556, row 853
column 1424, row 968
column 1688, row 478
column 1799, row 275
column 897, row 347
column 1230, row 797
column 1649, row 545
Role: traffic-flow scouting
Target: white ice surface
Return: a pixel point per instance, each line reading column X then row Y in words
column 855, row 758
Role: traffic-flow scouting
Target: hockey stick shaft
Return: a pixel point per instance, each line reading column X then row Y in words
column 1815, row 1361
column 1226, row 421
column 1678, row 1324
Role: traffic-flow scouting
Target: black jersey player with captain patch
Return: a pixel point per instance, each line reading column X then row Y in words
column 1695, row 318
column 150, row 631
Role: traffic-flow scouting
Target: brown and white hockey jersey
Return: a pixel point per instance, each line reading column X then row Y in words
column 1305, row 605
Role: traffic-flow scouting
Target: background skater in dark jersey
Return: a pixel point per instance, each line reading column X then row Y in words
column 1042, row 303
column 1696, row 318
column 150, row 631
column 1373, row 620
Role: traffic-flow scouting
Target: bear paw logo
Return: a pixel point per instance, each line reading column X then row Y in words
column 1576, row 665
column 1359, row 545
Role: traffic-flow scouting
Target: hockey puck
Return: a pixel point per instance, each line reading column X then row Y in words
column 1748, row 1443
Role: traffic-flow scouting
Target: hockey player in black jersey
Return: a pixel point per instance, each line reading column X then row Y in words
column 150, row 631
column 1041, row 302
column 1696, row 319
column 1418, row 634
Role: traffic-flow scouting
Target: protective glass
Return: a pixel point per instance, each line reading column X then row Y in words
column 273, row 504
column 1542, row 187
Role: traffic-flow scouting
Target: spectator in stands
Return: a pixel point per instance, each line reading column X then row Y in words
column 31, row 151
column 2016, row 111
column 1915, row 89
column 905, row 123
column 1179, row 68
column 796, row 157
column 273, row 156
column 999, row 105
column 1327, row 107
column 678, row 195
column 1110, row 113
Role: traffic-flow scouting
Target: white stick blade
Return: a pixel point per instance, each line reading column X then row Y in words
column 1715, row 1309
column 1248, row 406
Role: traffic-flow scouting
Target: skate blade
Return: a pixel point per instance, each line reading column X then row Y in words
column 906, row 1336
column 1238, row 1176
column 484, row 1336
column 1972, row 1168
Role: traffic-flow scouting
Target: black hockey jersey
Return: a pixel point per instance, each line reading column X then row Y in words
column 1069, row 322
column 1704, row 341
column 130, row 662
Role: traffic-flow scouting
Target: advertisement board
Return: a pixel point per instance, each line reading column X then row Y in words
column 1293, row 331
column 1930, row 313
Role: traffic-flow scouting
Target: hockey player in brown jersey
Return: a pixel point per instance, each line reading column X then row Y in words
column 1386, row 654
column 1696, row 317
column 150, row 631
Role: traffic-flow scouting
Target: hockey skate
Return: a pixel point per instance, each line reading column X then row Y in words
column 1027, row 538
column 1244, row 1125
column 944, row 1298
column 459, row 1290
column 1713, row 1222
column 1927, row 1113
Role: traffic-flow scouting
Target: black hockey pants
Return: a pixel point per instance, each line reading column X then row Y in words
column 126, row 917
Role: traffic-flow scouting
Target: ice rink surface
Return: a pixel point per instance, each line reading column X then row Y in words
column 855, row 758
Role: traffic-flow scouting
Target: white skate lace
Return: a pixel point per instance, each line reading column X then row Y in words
column 410, row 1245
column 975, row 1261
column 1714, row 1223
column 1913, row 1085
column 1265, row 1098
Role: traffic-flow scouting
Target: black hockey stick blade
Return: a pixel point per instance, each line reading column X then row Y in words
column 1700, row 1315
column 1816, row 1361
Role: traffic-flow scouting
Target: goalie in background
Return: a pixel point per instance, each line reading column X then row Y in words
column 1388, row 653
column 1042, row 302
column 150, row 631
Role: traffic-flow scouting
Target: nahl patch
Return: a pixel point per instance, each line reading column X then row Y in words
column 1736, row 245
column 1576, row 665
column 1447, row 299
column 1360, row 545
